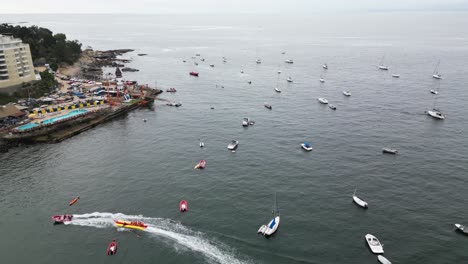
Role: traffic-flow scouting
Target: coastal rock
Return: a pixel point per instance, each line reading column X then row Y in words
column 127, row 69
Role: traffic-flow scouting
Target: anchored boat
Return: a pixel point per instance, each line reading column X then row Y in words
column 273, row 225
column 389, row 151
column 359, row 201
column 306, row 146
column 462, row 228
column 72, row 202
column 233, row 145
column 374, row 244
column 201, row 165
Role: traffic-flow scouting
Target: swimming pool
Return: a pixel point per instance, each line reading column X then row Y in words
column 53, row 119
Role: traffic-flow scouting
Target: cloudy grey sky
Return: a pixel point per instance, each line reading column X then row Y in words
column 226, row 6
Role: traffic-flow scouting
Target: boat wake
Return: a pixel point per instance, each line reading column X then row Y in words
column 214, row 251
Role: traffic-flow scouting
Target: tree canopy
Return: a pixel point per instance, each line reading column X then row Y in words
column 45, row 46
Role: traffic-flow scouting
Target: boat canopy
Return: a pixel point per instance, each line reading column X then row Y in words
column 307, row 144
column 273, row 223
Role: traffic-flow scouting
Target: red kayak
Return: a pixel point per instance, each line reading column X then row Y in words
column 72, row 202
column 59, row 219
column 201, row 165
column 112, row 248
column 194, row 73
column 183, row 206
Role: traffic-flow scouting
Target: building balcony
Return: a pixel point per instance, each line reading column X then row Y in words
column 4, row 75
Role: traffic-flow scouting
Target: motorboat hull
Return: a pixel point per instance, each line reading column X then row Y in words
column 462, row 229
column 346, row 93
column 436, row 114
column 201, row 165
column 232, row 145
column 130, row 224
column 268, row 106
column 277, row 90
column 436, row 76
column 183, row 206
column 360, row 202
column 306, row 148
column 332, row 107
column 383, row 68
column 374, row 244
column 383, row 260
column 389, row 151
column 323, row 100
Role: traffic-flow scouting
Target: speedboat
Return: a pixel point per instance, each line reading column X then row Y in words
column 437, row 76
column 202, row 144
column 306, row 146
column 60, row 219
column 183, row 206
column 374, row 244
column 462, row 228
column 359, row 201
column 396, row 75
column 332, row 107
column 171, row 90
column 258, row 61
column 131, row 224
column 434, row 91
column 383, row 259
column 245, row 121
column 436, row 114
column 112, row 248
column 383, row 67
column 277, row 90
column 211, row 65
column 192, row 73
column 325, row 66
column 268, row 106
column 289, row 61
column 72, row 202
column 273, row 225
column 347, row 93
column 201, row 165
column 322, row 80
column 322, row 100
column 389, row 151
column 289, row 79
column 233, row 145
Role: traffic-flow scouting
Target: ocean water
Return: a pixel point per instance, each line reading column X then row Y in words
column 130, row 169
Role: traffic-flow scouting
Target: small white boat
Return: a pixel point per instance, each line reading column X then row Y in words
column 322, row 100
column 202, row 144
column 322, row 80
column 233, row 145
column 289, row 61
column 325, row 66
column 374, row 244
column 289, row 79
column 277, row 90
column 437, row 76
column 462, row 228
column 390, row 151
column 396, row 75
column 436, row 114
column 332, row 107
column 359, row 201
column 306, row 146
column 268, row 106
column 245, row 122
column 347, row 93
column 258, row 61
column 273, row 225
column 383, row 67
column 434, row 91
column 383, row 259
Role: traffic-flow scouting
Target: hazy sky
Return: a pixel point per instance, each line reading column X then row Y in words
column 226, row 6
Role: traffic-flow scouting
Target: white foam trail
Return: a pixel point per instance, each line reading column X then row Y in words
column 217, row 253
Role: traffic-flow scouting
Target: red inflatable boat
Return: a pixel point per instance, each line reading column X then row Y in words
column 112, row 248
column 60, row 219
column 183, row 206
column 194, row 73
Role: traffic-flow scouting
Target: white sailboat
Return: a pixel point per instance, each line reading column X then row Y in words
column 272, row 226
column 434, row 112
column 382, row 65
column 359, row 201
column 436, row 74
